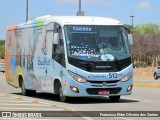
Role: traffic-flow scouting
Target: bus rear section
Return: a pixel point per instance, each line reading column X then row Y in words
column 11, row 56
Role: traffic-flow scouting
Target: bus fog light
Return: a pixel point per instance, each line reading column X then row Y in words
column 74, row 89
column 129, row 88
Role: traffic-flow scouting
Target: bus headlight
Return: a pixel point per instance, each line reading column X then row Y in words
column 77, row 77
column 127, row 77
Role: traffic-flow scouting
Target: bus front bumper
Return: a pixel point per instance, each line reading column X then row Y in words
column 86, row 90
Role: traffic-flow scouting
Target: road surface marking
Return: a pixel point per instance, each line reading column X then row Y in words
column 1, row 95
column 59, row 118
column 10, row 108
column 6, row 95
column 147, row 101
column 24, row 105
column 34, row 101
column 64, row 108
column 19, row 98
column 123, row 118
column 8, row 98
column 16, row 101
column 32, row 119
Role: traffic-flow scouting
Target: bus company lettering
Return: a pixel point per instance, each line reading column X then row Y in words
column 97, row 77
column 43, row 61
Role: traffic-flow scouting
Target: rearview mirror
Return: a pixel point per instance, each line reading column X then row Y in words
column 56, row 38
column 130, row 39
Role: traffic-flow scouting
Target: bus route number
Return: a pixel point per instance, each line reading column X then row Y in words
column 113, row 75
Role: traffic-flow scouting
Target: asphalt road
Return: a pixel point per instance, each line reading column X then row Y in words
column 142, row 99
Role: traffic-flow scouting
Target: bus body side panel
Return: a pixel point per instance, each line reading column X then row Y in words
column 31, row 36
column 46, row 69
column 37, row 82
column 38, row 67
column 26, row 54
column 11, row 56
column 19, row 54
column 29, row 54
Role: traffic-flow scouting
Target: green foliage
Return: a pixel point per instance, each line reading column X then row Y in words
column 138, row 64
column 149, row 29
column 2, row 48
column 128, row 26
column 2, row 41
column 146, row 47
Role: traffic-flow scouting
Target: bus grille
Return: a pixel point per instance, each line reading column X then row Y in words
column 100, row 83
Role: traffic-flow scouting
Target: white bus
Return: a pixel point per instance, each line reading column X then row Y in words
column 73, row 56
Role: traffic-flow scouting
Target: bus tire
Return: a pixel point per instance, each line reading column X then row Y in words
column 114, row 98
column 26, row 92
column 62, row 97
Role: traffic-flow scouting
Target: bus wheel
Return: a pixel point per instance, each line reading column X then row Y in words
column 114, row 98
column 62, row 97
column 26, row 92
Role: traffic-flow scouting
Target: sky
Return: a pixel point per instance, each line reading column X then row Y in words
column 145, row 11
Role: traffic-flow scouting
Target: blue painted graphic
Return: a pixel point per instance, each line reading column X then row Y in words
column 13, row 65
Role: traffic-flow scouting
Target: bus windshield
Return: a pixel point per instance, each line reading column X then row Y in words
column 96, row 43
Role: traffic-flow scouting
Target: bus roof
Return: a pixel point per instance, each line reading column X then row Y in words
column 67, row 20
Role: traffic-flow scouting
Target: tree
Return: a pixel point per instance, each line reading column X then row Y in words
column 146, row 48
column 2, row 49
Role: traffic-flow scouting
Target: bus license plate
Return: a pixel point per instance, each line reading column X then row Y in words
column 103, row 92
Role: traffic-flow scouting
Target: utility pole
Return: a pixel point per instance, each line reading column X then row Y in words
column 26, row 10
column 79, row 5
column 80, row 13
column 132, row 16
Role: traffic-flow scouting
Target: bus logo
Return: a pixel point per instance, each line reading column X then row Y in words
column 104, row 84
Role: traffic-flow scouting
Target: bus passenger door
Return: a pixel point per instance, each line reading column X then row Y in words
column 58, row 56
column 44, row 60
